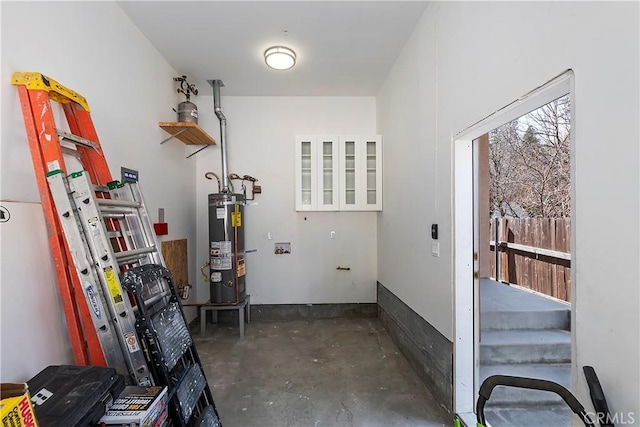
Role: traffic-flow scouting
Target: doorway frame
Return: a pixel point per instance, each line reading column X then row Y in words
column 465, row 231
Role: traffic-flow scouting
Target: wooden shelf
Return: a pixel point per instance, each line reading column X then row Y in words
column 188, row 132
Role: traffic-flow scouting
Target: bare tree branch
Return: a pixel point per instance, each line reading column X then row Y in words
column 529, row 164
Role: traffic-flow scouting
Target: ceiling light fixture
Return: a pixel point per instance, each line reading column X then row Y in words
column 280, row 57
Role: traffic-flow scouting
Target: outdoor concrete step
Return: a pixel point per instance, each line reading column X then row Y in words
column 531, row 319
column 525, row 346
column 512, row 396
column 552, row 415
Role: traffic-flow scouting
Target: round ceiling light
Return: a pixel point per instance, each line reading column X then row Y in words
column 280, row 57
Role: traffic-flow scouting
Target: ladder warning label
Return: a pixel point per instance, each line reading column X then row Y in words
column 112, row 284
column 53, row 165
column 132, row 342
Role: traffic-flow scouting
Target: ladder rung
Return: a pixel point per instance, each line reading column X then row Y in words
column 116, row 213
column 113, row 234
column 112, row 215
column 70, row 152
column 101, row 189
column 154, row 299
column 134, row 253
column 118, row 203
column 76, row 139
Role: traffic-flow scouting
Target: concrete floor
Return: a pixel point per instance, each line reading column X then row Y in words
column 325, row 372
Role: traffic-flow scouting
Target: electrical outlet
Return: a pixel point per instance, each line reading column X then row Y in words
column 333, row 234
column 269, row 236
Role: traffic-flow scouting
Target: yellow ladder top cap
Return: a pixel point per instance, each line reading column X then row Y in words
column 57, row 92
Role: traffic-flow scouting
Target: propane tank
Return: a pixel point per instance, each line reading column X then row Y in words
column 187, row 110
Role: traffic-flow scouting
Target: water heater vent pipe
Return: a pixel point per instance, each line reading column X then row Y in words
column 216, row 84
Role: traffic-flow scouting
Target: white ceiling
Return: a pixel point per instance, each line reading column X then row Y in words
column 343, row 47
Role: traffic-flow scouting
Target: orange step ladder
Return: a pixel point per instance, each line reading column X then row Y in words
column 36, row 93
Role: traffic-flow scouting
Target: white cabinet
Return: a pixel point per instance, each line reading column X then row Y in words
column 338, row 173
column 361, row 173
column 317, row 173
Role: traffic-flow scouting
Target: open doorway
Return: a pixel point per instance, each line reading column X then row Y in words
column 524, row 221
column 468, row 262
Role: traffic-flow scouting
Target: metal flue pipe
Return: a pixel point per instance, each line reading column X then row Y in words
column 216, row 84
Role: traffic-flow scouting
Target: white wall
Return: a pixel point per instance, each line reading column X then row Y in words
column 260, row 137
column 464, row 61
column 33, row 327
column 93, row 48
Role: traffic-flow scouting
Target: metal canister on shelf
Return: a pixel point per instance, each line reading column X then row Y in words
column 187, row 112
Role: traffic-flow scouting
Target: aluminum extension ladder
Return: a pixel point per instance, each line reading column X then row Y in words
column 106, row 234
column 100, row 234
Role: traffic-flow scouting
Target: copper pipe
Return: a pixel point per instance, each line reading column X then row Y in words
column 235, row 250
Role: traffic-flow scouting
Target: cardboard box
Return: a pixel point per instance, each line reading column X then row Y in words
column 15, row 406
column 142, row 406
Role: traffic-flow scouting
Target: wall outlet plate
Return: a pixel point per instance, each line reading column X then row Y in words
column 282, row 248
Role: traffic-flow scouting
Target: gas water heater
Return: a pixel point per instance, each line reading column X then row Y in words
column 226, row 248
column 226, row 228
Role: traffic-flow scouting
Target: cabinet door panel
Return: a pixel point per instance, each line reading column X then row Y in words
column 350, row 173
column 306, row 184
column 372, row 172
column 328, row 173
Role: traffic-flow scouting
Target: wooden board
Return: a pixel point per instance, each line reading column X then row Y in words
column 535, row 253
column 175, row 256
column 188, row 132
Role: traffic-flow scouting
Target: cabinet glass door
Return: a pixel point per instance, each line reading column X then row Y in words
column 327, row 172
column 371, row 173
column 350, row 172
column 306, row 173
column 305, row 170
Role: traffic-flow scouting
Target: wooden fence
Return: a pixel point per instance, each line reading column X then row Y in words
column 534, row 253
